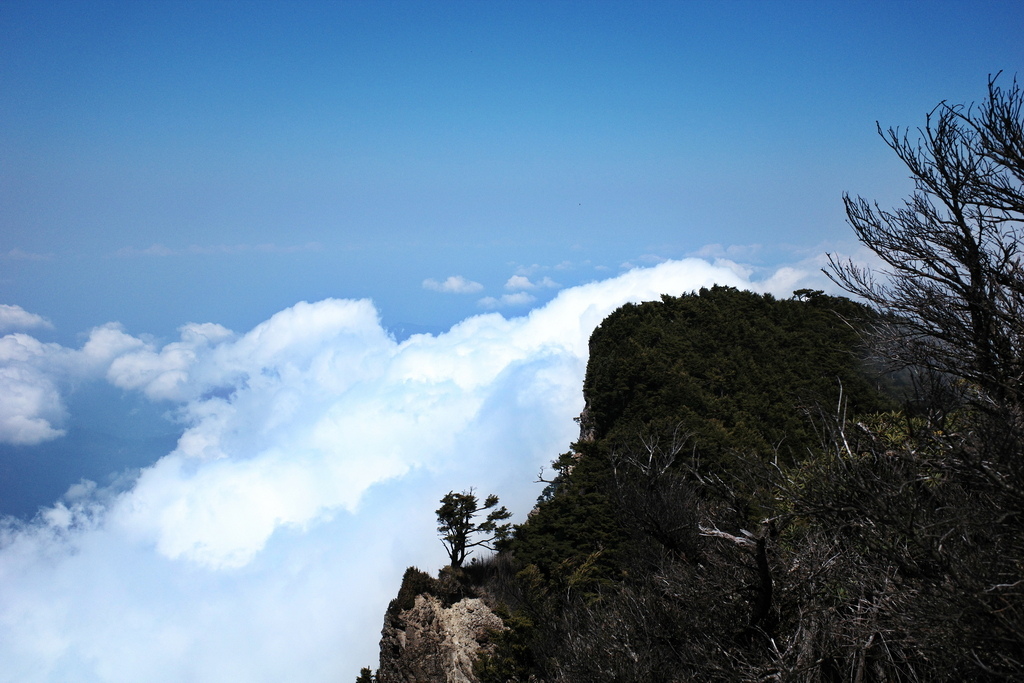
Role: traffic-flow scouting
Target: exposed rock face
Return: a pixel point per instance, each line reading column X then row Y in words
column 588, row 430
column 431, row 643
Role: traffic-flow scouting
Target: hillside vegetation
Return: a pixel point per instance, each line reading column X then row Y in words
column 808, row 489
column 670, row 543
column 751, row 500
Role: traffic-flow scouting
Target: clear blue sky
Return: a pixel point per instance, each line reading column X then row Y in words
column 375, row 145
column 229, row 482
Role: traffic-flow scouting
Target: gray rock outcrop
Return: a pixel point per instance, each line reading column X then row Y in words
column 431, row 643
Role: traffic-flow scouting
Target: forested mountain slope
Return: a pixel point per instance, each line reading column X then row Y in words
column 751, row 499
column 666, row 546
column 707, row 383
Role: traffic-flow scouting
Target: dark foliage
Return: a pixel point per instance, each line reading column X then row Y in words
column 953, row 278
column 461, row 533
column 713, row 377
column 414, row 582
column 734, row 369
column 633, row 566
column 751, row 499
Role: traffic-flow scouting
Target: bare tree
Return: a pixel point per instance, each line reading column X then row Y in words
column 953, row 282
column 656, row 500
column 941, row 506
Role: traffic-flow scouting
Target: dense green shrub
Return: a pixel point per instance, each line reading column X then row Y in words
column 414, row 582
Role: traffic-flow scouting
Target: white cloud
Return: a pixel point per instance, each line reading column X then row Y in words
column 643, row 260
column 31, row 409
column 507, row 300
column 733, row 251
column 521, row 282
column 456, row 284
column 163, row 374
column 784, row 279
column 34, row 376
column 17, row 318
column 741, row 269
column 266, row 546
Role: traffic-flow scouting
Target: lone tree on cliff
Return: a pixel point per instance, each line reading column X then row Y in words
column 456, row 525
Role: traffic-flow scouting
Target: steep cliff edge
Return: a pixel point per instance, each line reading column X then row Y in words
column 430, row 642
column 707, row 455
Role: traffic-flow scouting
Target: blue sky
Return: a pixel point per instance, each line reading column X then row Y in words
column 270, row 153
column 176, row 177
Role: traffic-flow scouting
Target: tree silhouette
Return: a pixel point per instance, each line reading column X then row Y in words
column 953, row 279
column 937, row 495
column 457, row 526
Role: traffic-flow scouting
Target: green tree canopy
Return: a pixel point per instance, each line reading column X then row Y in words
column 460, row 533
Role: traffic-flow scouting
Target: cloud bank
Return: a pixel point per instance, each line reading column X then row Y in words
column 267, row 544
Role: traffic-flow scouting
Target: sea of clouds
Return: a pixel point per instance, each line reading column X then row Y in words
column 267, row 544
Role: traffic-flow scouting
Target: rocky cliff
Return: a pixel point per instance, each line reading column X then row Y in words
column 431, row 643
